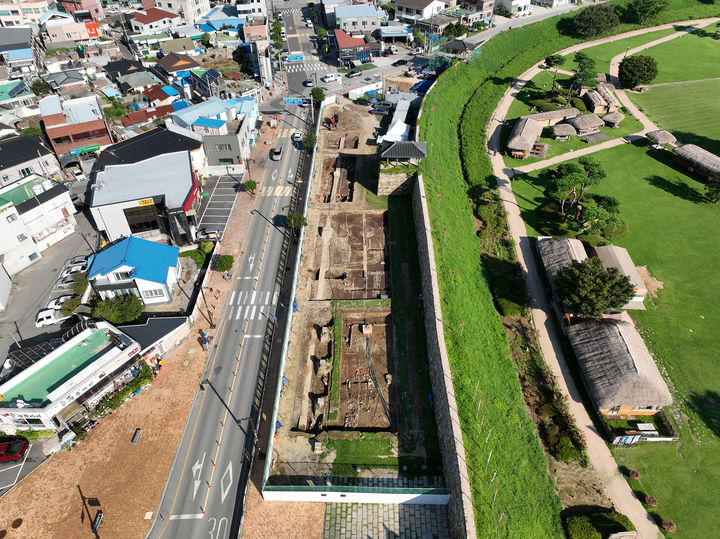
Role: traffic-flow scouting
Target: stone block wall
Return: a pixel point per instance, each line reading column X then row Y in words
column 460, row 511
column 395, row 184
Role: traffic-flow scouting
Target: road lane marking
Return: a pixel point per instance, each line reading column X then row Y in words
column 187, row 516
column 252, row 315
column 225, row 489
column 237, row 315
column 254, row 336
column 247, row 309
column 252, row 299
column 267, row 298
column 196, row 469
column 232, row 298
column 230, row 313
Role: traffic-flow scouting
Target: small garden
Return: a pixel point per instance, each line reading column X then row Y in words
column 142, row 376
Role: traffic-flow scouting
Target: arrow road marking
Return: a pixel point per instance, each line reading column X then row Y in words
column 251, row 260
column 196, row 473
column 225, row 489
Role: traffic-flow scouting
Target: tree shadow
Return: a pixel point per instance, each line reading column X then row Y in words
column 676, row 187
column 707, row 407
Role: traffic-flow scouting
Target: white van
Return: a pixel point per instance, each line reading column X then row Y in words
column 332, row 77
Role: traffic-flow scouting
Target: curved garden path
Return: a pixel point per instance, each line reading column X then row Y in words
column 616, row 487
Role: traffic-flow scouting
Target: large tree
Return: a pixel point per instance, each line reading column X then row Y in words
column 636, row 70
column 569, row 182
column 595, row 20
column 712, row 189
column 641, row 10
column 585, row 73
column 589, row 290
column 554, row 61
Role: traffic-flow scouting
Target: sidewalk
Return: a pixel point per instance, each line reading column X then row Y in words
column 616, row 487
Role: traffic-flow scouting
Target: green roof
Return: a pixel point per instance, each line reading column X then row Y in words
column 198, row 72
column 6, row 88
column 148, row 37
column 38, row 385
column 21, row 193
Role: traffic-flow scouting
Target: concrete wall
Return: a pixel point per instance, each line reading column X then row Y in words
column 270, row 494
column 460, row 511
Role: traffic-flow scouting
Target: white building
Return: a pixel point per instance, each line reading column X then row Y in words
column 35, row 213
column 189, row 10
column 417, row 10
column 251, row 7
column 518, row 8
column 360, row 17
column 153, row 21
column 147, row 269
column 23, row 155
column 22, row 13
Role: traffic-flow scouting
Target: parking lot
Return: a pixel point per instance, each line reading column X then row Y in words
column 13, row 471
column 35, row 286
column 218, row 199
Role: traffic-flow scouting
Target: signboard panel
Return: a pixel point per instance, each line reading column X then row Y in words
column 295, row 58
column 86, row 149
column 292, row 101
column 432, row 37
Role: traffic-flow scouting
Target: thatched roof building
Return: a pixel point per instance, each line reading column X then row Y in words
column 613, row 119
column 606, row 92
column 526, row 132
column 614, row 256
column 698, row 160
column 587, row 123
column 553, row 116
column 559, row 252
column 618, row 370
column 660, row 136
column 562, row 131
column 594, row 101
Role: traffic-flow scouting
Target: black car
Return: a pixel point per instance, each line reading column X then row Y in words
column 383, row 105
column 387, row 52
column 380, row 112
column 354, row 73
column 400, row 62
column 362, row 101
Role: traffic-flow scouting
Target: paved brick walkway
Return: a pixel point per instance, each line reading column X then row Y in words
column 384, row 521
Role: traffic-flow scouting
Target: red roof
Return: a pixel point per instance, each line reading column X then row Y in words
column 155, row 93
column 145, row 115
column 345, row 41
column 153, row 14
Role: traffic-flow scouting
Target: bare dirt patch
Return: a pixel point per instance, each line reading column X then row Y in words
column 651, row 283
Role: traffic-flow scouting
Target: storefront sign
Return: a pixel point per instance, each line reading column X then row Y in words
column 86, row 149
column 146, row 202
column 292, row 101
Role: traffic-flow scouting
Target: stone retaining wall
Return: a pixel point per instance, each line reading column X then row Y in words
column 395, row 184
column 460, row 511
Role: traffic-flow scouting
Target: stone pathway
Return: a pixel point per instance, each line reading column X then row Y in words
column 616, row 487
column 384, row 521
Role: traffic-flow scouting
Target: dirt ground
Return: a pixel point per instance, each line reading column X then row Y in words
column 105, row 471
column 651, row 283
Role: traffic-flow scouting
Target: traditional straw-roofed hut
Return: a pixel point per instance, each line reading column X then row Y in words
column 594, row 101
column 698, row 160
column 562, row 131
column 619, row 372
column 559, row 252
column 586, row 124
column 551, row 117
column 613, row 256
column 606, row 92
column 613, row 119
column 526, row 132
column 661, row 137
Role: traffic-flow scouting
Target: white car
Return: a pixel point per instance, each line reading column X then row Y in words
column 48, row 317
column 78, row 175
column 74, row 261
column 70, row 270
column 309, row 23
column 297, row 136
column 57, row 302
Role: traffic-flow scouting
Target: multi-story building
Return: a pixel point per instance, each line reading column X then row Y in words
column 19, row 52
column 351, row 48
column 76, row 127
column 360, row 17
column 22, row 156
column 153, row 20
column 251, row 7
column 518, row 8
column 35, row 213
column 84, row 9
column 189, row 10
column 416, row 10
column 480, row 9
column 59, row 27
column 22, row 12
column 552, row 3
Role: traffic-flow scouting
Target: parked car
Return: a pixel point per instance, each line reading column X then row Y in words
column 380, row 112
column 400, row 62
column 387, row 52
column 332, row 77
column 48, row 317
column 354, row 73
column 65, row 282
column 13, row 450
column 76, row 268
column 276, row 153
column 362, row 101
column 80, row 259
column 384, row 105
column 209, row 233
column 308, row 82
column 308, row 23
column 57, row 302
column 78, row 175
column 297, row 136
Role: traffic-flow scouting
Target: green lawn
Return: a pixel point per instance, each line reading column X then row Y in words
column 540, row 83
column 602, row 54
column 693, row 115
column 691, row 57
column 668, row 228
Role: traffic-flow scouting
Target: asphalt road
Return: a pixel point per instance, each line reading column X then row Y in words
column 204, row 491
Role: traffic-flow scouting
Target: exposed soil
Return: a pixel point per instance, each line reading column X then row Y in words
column 651, row 283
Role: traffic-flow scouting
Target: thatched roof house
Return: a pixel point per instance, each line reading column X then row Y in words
column 613, row 256
column 613, row 119
column 552, row 117
column 526, row 132
column 606, row 92
column 562, row 131
column 594, row 101
column 662, row 137
column 698, row 160
column 586, row 124
column 618, row 370
column 559, row 252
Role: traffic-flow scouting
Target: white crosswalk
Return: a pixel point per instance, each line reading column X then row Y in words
column 276, row 191
column 290, row 11
column 309, row 67
column 252, row 305
column 287, row 132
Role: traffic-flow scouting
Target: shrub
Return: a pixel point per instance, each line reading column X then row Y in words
column 543, row 105
column 224, row 263
column 579, row 104
column 668, row 526
column 207, row 247
column 595, row 20
column 119, row 310
column 634, row 475
column 580, row 527
column 636, row 70
column 565, row 451
column 597, row 525
column 68, row 307
column 250, row 186
column 114, row 400
column 651, row 501
column 508, row 308
column 80, row 284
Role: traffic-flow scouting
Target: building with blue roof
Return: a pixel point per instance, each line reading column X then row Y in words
column 19, row 52
column 146, row 269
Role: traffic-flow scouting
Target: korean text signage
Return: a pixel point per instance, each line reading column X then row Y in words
column 86, row 149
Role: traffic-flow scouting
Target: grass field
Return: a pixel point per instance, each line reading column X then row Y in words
column 687, row 110
column 668, row 225
column 540, row 83
column 691, row 57
column 602, row 54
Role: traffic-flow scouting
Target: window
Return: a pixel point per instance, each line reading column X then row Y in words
column 153, row 293
column 122, row 275
column 26, row 172
column 21, row 238
column 33, row 256
column 226, row 161
column 12, row 217
column 223, row 147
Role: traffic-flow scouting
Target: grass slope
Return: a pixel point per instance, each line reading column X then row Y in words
column 668, row 232
column 688, row 110
column 691, row 57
